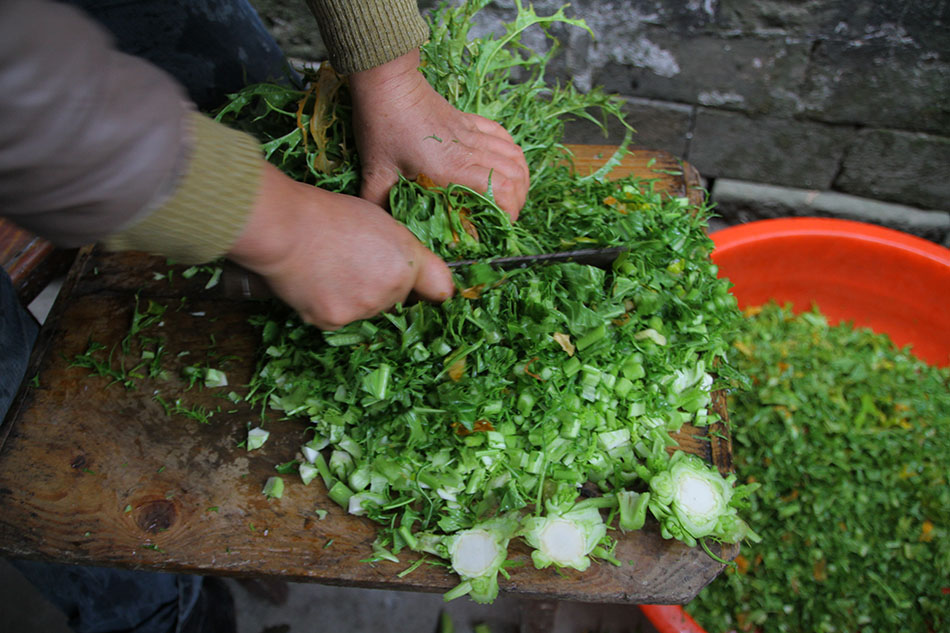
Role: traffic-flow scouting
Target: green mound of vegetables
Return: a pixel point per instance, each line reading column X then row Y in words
column 849, row 438
column 460, row 426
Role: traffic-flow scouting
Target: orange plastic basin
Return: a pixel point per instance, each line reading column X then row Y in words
column 889, row 281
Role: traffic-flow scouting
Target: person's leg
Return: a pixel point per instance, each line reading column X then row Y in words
column 99, row 599
column 213, row 47
column 18, row 331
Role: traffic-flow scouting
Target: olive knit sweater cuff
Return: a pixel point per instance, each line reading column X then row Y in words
column 364, row 34
column 208, row 210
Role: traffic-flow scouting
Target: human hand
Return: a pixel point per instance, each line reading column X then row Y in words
column 403, row 126
column 334, row 258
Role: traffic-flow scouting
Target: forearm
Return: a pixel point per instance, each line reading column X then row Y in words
column 101, row 146
column 91, row 138
column 211, row 202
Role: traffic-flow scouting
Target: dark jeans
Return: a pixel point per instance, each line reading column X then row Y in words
column 213, row 48
column 18, row 330
column 100, row 599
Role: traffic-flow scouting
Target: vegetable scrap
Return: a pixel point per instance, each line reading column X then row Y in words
column 849, row 438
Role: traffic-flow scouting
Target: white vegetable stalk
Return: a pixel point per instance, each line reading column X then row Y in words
column 692, row 500
column 358, row 503
column 564, row 539
column 477, row 555
column 474, row 553
column 695, row 495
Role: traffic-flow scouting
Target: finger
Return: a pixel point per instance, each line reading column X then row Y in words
column 493, row 128
column 510, row 197
column 376, row 184
column 434, row 279
column 509, row 192
column 492, row 137
column 488, row 145
column 492, row 145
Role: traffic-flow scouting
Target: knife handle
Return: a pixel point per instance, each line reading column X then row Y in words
column 240, row 283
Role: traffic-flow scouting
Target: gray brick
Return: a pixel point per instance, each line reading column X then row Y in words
column 775, row 16
column 758, row 76
column 778, row 151
column 738, row 201
column 898, row 166
column 855, row 21
column 659, row 125
column 879, row 85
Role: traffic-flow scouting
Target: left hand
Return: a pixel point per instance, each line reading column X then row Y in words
column 403, row 126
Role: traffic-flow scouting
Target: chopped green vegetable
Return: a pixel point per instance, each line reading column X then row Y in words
column 692, row 500
column 273, row 488
column 849, row 438
column 453, row 425
column 308, row 473
column 215, row 378
column 215, row 278
column 210, row 377
column 256, row 438
column 633, row 509
column 564, row 539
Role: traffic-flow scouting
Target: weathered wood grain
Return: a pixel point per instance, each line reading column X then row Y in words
column 94, row 473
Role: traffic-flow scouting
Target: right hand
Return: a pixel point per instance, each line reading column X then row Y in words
column 334, row 258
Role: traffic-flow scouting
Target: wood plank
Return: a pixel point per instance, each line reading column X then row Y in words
column 665, row 171
column 92, row 473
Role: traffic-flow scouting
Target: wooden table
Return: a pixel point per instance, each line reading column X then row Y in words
column 93, row 473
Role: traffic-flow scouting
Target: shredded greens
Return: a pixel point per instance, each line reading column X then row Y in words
column 457, row 427
column 849, row 438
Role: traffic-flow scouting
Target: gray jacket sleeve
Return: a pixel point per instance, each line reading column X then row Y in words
column 91, row 140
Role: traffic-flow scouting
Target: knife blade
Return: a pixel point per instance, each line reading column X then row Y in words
column 600, row 257
column 240, row 283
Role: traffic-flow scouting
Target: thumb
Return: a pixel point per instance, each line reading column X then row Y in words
column 434, row 279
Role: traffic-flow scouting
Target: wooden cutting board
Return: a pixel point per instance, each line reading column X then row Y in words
column 94, row 473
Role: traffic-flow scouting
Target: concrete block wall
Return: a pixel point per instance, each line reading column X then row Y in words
column 807, row 97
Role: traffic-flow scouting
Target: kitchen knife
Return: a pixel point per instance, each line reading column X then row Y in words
column 239, row 283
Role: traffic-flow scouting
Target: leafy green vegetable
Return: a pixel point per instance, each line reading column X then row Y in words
column 477, row 554
column 565, row 539
column 849, row 438
column 455, row 426
column 692, row 500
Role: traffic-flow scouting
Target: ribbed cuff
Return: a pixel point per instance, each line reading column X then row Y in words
column 364, row 34
column 208, row 211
